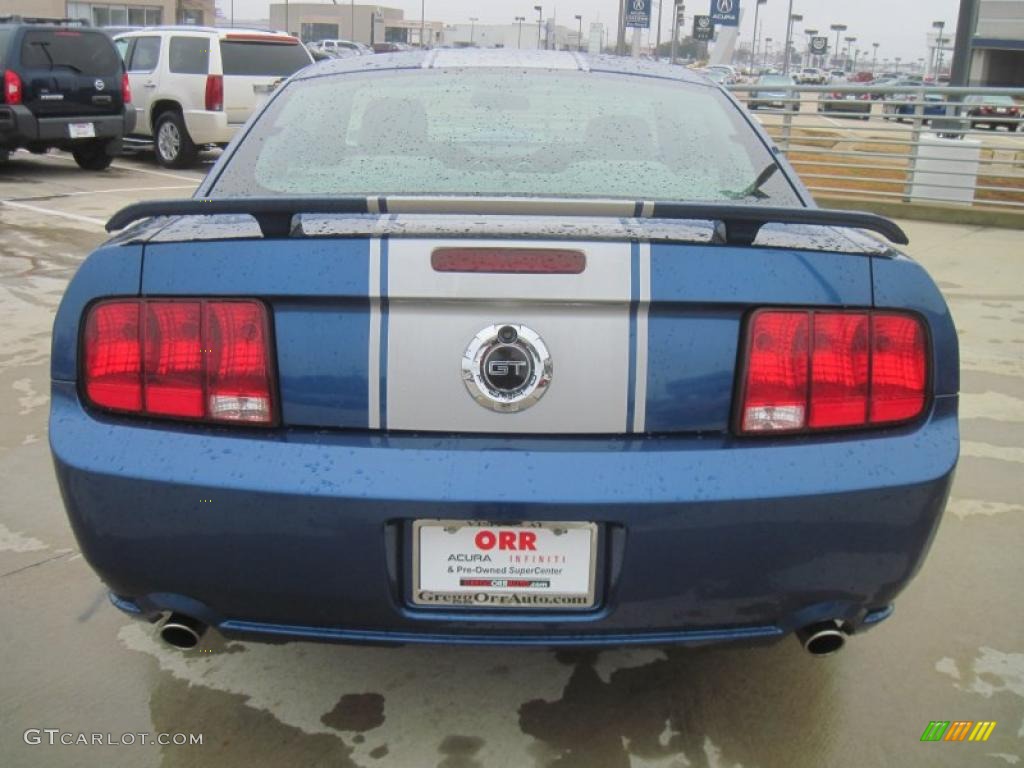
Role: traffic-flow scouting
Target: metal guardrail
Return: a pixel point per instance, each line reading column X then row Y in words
column 918, row 143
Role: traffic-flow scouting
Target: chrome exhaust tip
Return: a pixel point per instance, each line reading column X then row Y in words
column 821, row 639
column 182, row 632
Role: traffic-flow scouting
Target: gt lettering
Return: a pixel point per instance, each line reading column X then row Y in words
column 508, row 540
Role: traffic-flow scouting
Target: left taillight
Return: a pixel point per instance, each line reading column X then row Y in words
column 12, row 87
column 196, row 359
column 126, row 89
column 214, row 93
column 816, row 370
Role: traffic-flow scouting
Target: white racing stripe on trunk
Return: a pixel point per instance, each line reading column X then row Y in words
column 373, row 350
column 642, row 292
column 583, row 319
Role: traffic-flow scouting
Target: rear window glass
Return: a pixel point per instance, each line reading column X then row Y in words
column 503, row 132
column 5, row 36
column 189, row 55
column 89, row 53
column 262, row 59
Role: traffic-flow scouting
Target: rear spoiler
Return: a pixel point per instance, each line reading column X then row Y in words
column 740, row 223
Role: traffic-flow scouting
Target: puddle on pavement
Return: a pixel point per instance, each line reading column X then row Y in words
column 36, row 264
column 456, row 708
column 356, row 712
column 234, row 734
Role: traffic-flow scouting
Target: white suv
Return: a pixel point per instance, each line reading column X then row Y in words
column 196, row 86
column 343, row 47
column 811, row 76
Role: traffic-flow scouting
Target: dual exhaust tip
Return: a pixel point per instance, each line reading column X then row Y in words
column 821, row 639
column 181, row 631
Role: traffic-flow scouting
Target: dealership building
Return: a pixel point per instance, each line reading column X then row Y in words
column 134, row 13
column 996, row 47
column 362, row 23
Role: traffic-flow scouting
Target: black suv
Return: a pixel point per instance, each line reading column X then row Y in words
column 64, row 86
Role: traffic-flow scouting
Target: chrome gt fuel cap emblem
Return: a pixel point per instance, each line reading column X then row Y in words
column 507, row 368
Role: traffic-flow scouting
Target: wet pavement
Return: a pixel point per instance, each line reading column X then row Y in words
column 954, row 650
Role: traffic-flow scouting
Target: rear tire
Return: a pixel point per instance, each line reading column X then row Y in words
column 173, row 145
column 92, row 156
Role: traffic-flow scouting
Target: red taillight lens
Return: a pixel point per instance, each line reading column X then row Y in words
column 214, row 93
column 12, row 87
column 237, row 373
column 776, row 386
column 839, row 370
column 898, row 368
column 819, row 370
column 174, row 359
column 113, row 356
column 126, row 90
column 191, row 359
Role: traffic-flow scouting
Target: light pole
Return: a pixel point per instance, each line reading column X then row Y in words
column 838, row 29
column 849, row 46
column 753, row 53
column 874, row 58
column 767, row 46
column 519, row 40
column 540, row 18
column 657, row 40
column 856, row 53
column 423, row 22
column 472, row 22
column 789, row 35
column 897, row 60
column 579, row 35
column 939, row 25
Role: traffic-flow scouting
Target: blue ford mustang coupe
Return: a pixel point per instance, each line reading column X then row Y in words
column 494, row 347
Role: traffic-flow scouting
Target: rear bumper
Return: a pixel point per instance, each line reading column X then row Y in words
column 20, row 127
column 305, row 534
column 209, row 127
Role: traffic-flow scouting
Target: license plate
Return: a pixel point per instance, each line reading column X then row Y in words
column 82, row 130
column 262, row 93
column 524, row 566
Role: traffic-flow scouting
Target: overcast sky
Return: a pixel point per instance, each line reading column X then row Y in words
column 898, row 25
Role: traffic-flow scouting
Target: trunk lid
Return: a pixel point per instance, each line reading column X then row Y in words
column 371, row 333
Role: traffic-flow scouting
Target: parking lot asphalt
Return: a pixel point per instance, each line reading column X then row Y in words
column 954, row 650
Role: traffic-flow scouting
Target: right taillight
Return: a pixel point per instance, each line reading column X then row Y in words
column 12, row 87
column 196, row 359
column 813, row 370
column 214, row 93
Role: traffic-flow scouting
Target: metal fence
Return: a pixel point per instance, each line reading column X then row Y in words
column 921, row 144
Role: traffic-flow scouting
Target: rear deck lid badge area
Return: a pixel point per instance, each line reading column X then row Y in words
column 507, row 368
